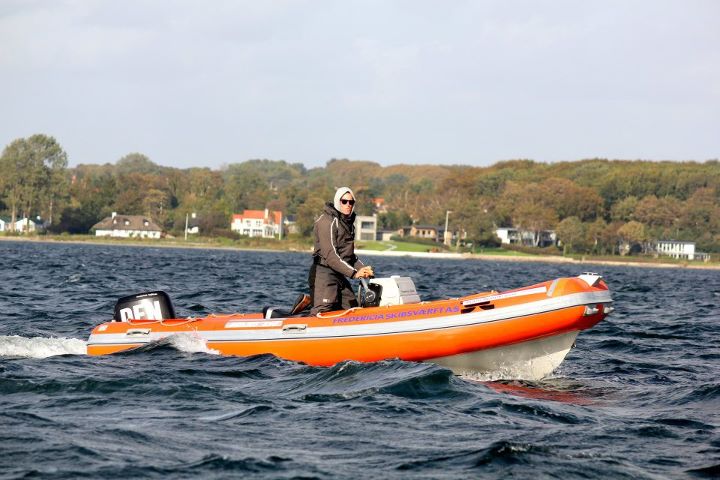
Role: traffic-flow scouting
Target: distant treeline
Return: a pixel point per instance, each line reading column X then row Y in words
column 594, row 205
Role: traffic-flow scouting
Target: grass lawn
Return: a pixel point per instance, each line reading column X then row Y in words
column 396, row 246
column 501, row 251
column 421, row 247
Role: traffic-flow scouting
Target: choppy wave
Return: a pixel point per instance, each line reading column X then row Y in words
column 637, row 398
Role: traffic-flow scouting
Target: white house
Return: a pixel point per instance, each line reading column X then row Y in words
column 676, row 249
column 127, row 226
column 192, row 224
column 4, row 224
column 25, row 225
column 365, row 227
column 516, row 236
column 258, row 223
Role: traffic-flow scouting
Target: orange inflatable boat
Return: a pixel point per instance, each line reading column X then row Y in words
column 523, row 333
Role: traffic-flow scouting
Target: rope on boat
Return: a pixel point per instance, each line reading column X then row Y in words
column 161, row 322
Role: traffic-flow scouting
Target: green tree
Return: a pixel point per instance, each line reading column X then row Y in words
column 137, row 163
column 393, row 220
column 245, row 188
column 92, row 193
column 33, row 175
column 155, row 205
column 600, row 237
column 624, row 210
column 570, row 231
column 307, row 214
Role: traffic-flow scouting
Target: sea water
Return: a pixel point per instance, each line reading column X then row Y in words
column 639, row 397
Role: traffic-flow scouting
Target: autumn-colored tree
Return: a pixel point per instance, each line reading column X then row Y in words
column 678, row 199
column 535, row 218
column 633, row 237
column 658, row 212
column 570, row 200
column 701, row 211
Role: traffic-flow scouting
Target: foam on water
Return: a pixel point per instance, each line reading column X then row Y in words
column 187, row 342
column 40, row 347
column 519, row 371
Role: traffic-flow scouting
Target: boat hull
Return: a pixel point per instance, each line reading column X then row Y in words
column 525, row 332
column 529, row 360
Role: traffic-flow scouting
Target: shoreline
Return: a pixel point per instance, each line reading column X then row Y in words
column 530, row 259
column 379, row 253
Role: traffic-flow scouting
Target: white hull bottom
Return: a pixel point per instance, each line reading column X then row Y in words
column 532, row 360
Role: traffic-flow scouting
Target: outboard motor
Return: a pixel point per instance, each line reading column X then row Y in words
column 144, row 306
column 393, row 290
column 369, row 294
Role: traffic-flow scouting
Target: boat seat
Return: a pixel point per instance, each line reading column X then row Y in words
column 272, row 312
column 302, row 303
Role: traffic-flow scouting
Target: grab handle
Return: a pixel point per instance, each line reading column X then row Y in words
column 295, row 328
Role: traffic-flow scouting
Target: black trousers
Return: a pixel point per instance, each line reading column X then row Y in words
column 330, row 290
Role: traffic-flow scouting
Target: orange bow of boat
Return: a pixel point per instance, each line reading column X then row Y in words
column 523, row 333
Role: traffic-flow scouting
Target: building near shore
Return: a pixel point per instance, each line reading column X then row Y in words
column 676, row 249
column 527, row 238
column 27, row 225
column 365, row 227
column 21, row 225
column 127, row 226
column 427, row 232
column 193, row 224
column 258, row 223
column 290, row 224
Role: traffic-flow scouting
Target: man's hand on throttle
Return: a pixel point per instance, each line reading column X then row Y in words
column 365, row 272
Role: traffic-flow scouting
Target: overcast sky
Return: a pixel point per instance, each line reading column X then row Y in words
column 207, row 83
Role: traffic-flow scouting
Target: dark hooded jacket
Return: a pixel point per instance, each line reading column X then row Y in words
column 335, row 241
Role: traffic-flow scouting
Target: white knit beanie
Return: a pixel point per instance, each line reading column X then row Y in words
column 338, row 195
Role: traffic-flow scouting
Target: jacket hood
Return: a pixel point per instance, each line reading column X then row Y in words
column 338, row 195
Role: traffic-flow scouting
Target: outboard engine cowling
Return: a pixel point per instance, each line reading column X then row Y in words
column 369, row 294
column 144, row 306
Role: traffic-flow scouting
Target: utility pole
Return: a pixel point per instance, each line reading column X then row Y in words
column 186, row 225
column 447, row 241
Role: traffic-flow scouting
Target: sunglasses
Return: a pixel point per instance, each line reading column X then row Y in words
column 345, row 202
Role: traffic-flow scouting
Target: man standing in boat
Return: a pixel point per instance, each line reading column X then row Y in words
column 334, row 259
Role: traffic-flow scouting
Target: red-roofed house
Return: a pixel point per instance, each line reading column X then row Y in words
column 258, row 223
column 379, row 204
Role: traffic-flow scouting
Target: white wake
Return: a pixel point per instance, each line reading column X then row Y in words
column 40, row 347
column 43, row 347
column 187, row 342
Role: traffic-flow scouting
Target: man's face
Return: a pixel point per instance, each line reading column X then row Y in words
column 346, row 204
